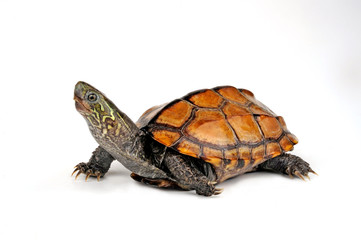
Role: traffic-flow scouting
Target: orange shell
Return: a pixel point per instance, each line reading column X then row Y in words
column 225, row 126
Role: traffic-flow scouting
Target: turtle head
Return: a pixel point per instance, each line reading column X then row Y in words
column 101, row 113
column 91, row 103
column 114, row 131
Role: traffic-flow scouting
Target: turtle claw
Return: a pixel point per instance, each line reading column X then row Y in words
column 75, row 171
column 298, row 174
column 218, row 191
column 86, row 177
column 98, row 174
column 89, row 170
column 88, row 174
column 311, row 171
column 77, row 175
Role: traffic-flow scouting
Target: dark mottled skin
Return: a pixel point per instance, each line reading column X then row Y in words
column 149, row 161
column 287, row 164
column 100, row 162
column 189, row 176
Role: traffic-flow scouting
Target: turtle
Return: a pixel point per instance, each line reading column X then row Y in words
column 191, row 143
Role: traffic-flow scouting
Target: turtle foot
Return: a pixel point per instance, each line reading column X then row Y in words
column 299, row 168
column 208, row 189
column 90, row 170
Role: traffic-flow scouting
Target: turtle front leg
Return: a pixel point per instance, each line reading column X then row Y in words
column 287, row 164
column 97, row 166
column 190, row 178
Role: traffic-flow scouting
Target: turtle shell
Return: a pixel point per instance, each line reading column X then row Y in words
column 224, row 126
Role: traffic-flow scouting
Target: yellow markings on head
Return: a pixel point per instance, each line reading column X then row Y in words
column 97, row 114
column 124, row 123
column 101, row 107
column 112, row 117
column 94, row 121
column 105, row 117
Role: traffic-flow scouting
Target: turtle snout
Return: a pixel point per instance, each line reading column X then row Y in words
column 79, row 90
column 79, row 96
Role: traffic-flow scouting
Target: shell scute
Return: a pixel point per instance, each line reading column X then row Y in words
column 246, row 128
column 231, row 155
column 231, row 110
column 189, row 148
column 258, row 154
column 270, row 126
column 212, row 156
column 232, row 165
column 282, row 123
column 247, row 93
column 166, row 137
column 149, row 115
column 233, row 94
column 273, row 149
column 175, row 115
column 244, row 153
column 259, row 110
column 208, row 99
column 210, row 127
column 286, row 144
column 293, row 138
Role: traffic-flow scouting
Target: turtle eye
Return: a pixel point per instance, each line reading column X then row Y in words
column 92, row 97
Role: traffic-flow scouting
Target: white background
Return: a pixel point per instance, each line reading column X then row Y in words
column 300, row 58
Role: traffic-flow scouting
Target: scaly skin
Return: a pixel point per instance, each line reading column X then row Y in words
column 287, row 164
column 118, row 135
column 97, row 166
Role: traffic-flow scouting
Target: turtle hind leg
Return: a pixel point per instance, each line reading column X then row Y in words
column 287, row 164
column 161, row 183
column 97, row 166
column 188, row 177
